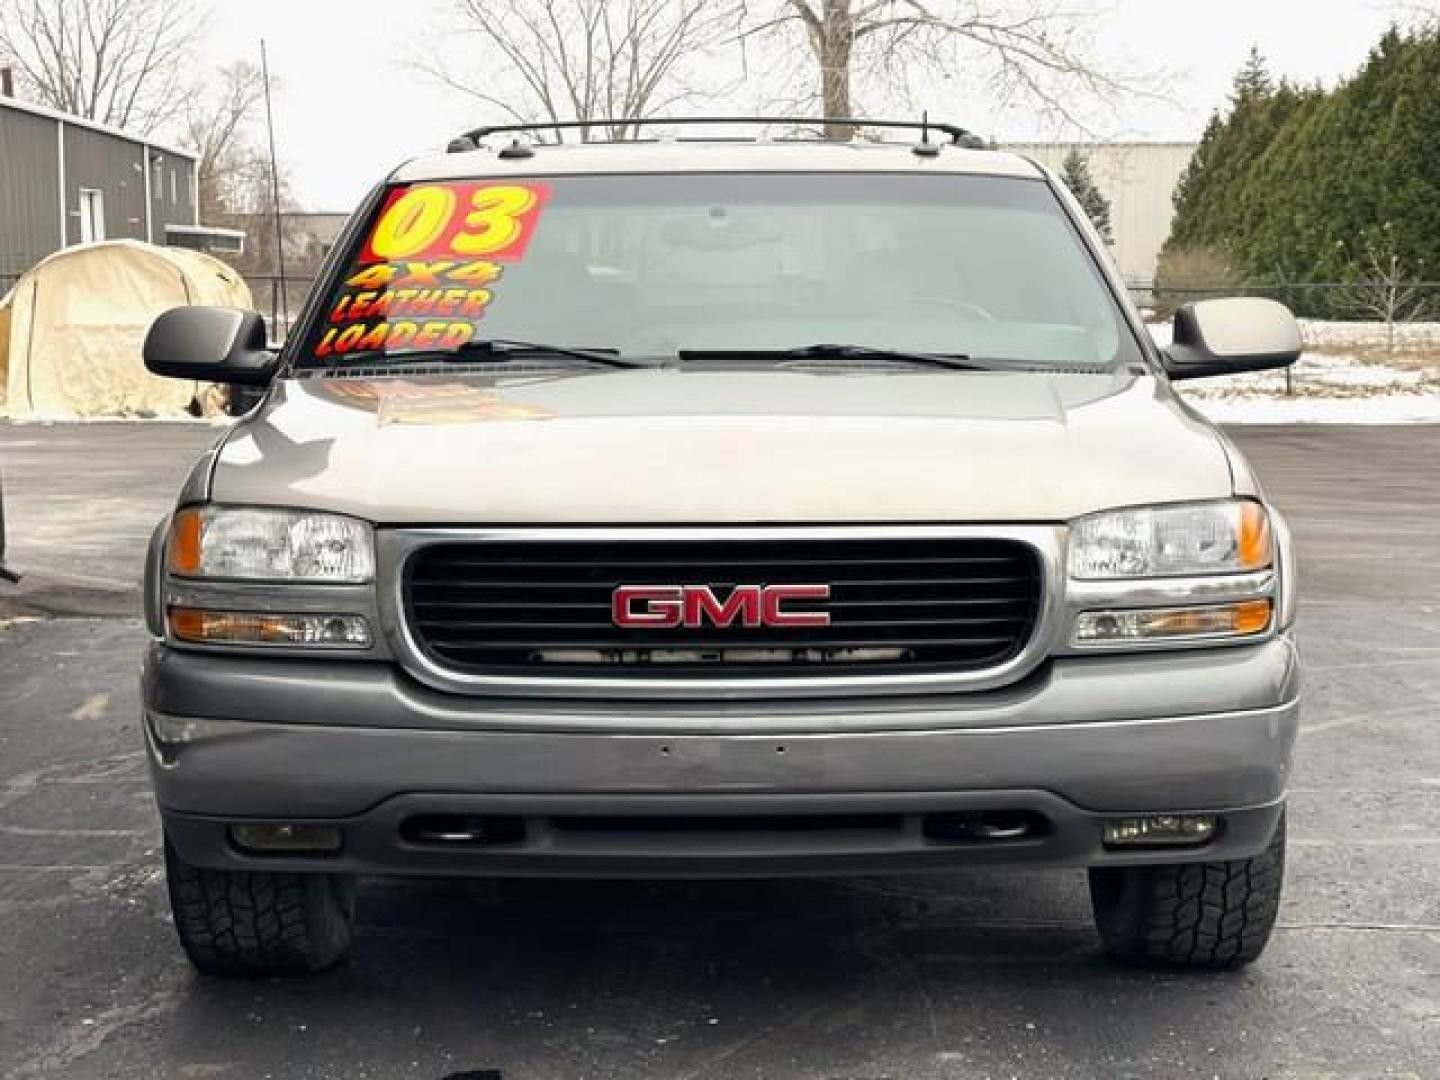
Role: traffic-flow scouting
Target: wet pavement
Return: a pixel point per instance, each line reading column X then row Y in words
column 965, row 975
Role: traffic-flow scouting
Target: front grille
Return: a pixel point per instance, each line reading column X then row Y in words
column 897, row 604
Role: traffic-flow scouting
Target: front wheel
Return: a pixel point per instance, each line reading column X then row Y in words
column 1203, row 916
column 244, row 922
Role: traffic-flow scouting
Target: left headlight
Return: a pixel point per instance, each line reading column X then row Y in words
column 243, row 544
column 1226, row 536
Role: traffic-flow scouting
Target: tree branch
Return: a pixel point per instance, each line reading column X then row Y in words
column 588, row 59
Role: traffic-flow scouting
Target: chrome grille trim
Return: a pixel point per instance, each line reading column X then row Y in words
column 395, row 547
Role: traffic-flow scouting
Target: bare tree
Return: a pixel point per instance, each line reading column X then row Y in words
column 586, row 60
column 1385, row 286
column 1036, row 50
column 1418, row 13
column 250, row 207
column 114, row 61
column 215, row 127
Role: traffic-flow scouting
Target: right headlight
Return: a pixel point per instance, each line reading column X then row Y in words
column 1227, row 536
column 214, row 546
column 1183, row 573
column 245, row 544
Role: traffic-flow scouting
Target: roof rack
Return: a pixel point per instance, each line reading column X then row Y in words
column 958, row 136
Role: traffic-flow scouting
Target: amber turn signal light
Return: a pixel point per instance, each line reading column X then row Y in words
column 1255, row 546
column 204, row 627
column 184, row 547
column 1241, row 619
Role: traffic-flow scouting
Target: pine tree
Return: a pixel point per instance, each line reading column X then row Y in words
column 1295, row 184
column 1075, row 171
column 1253, row 81
column 1206, row 200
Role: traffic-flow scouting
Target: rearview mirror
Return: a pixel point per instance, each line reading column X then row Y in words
column 1222, row 337
column 211, row 344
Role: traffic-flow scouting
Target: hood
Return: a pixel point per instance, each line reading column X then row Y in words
column 681, row 446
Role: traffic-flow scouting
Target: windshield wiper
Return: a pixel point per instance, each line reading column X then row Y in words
column 498, row 349
column 511, row 346
column 828, row 350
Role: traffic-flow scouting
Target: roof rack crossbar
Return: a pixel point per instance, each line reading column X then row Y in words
column 958, row 135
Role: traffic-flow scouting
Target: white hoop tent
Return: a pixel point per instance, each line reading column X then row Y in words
column 71, row 330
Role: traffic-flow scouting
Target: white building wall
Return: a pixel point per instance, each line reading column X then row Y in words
column 1139, row 179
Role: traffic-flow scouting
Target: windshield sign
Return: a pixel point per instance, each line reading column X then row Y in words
column 732, row 267
column 430, row 267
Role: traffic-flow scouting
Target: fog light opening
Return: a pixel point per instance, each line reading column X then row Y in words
column 286, row 839
column 463, row 830
column 1161, row 830
column 986, row 826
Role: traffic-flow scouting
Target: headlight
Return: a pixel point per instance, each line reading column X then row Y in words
column 270, row 545
column 1185, row 539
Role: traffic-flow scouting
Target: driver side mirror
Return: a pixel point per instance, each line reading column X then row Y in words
column 1222, row 337
column 211, row 344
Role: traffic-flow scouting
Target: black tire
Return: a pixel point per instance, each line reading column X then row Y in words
column 1210, row 916
column 237, row 922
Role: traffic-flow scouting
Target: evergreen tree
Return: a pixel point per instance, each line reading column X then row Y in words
column 1294, row 184
column 1207, row 198
column 1253, row 82
column 1075, row 171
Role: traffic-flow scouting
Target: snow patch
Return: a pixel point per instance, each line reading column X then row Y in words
column 169, row 418
column 1386, row 409
column 1330, row 385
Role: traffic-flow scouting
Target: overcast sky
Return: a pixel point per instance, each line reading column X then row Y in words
column 352, row 103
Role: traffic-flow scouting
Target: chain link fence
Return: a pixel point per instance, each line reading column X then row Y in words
column 1362, row 339
column 280, row 302
column 1400, row 319
column 1385, row 302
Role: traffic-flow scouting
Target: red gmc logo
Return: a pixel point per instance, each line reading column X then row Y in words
column 666, row 606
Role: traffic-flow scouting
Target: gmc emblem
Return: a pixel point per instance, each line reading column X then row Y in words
column 668, row 606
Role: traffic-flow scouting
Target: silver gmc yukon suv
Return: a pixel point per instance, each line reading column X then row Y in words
column 717, row 507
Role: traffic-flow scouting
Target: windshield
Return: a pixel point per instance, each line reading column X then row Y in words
column 661, row 265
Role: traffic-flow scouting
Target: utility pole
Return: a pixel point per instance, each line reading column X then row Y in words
column 275, row 196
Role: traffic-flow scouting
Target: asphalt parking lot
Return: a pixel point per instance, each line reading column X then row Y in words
column 967, row 975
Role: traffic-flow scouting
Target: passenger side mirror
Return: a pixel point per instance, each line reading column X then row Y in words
column 1222, row 337
column 211, row 344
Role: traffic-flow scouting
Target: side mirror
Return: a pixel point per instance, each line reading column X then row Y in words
column 1222, row 337
column 211, row 344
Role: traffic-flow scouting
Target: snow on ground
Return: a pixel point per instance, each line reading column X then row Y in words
column 1408, row 335
column 1386, row 409
column 167, row 418
column 1346, row 376
column 1328, row 336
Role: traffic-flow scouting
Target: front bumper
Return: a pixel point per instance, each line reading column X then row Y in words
column 362, row 747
